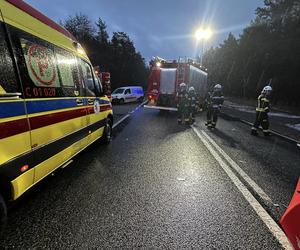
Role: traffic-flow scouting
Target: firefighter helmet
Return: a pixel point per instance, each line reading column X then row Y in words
column 191, row 89
column 267, row 90
column 218, row 87
column 182, row 86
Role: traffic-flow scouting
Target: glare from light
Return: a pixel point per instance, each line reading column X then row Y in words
column 158, row 64
column 81, row 51
column 203, row 34
column 66, row 61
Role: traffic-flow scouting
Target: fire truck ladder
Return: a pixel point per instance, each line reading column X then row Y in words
column 180, row 72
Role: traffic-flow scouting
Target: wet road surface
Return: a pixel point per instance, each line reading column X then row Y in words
column 157, row 186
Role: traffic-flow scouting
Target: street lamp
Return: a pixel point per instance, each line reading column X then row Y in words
column 203, row 35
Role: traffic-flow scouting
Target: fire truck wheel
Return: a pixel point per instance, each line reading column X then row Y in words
column 3, row 215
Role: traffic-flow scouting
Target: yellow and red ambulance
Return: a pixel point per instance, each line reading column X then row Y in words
column 52, row 104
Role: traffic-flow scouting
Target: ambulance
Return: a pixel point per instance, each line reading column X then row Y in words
column 52, row 104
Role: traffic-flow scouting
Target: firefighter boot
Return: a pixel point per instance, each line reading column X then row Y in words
column 187, row 121
column 208, row 123
column 213, row 124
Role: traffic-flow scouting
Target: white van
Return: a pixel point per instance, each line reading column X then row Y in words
column 128, row 94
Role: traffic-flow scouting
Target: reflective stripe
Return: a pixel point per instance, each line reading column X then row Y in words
column 262, row 109
column 254, row 128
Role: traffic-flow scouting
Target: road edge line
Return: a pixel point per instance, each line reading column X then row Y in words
column 128, row 114
column 257, row 207
column 262, row 194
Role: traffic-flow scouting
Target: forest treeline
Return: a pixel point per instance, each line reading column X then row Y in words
column 116, row 54
column 267, row 52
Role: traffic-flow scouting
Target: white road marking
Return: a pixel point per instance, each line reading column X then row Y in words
column 260, row 211
column 159, row 107
column 121, row 120
column 128, row 114
column 238, row 169
column 67, row 163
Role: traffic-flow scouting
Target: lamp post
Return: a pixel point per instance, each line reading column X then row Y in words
column 203, row 35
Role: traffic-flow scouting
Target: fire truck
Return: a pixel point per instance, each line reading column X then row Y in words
column 165, row 78
column 105, row 81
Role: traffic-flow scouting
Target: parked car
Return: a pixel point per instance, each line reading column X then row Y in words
column 128, row 94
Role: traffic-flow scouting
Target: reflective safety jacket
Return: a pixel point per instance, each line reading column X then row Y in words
column 215, row 100
column 193, row 101
column 183, row 99
column 263, row 104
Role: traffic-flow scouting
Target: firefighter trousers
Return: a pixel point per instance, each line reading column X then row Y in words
column 212, row 116
column 261, row 119
column 183, row 113
column 192, row 111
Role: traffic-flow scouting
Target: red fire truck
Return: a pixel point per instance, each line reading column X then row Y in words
column 105, row 81
column 165, row 78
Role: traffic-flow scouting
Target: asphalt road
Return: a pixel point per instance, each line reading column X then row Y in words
column 158, row 186
column 122, row 109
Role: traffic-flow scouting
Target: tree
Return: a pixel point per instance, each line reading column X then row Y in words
column 126, row 61
column 102, row 33
column 118, row 55
column 221, row 62
column 267, row 50
column 80, row 26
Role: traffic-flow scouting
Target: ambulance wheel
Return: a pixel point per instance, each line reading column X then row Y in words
column 122, row 101
column 3, row 215
column 141, row 99
column 107, row 133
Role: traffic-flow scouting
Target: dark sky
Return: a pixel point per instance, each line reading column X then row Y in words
column 160, row 27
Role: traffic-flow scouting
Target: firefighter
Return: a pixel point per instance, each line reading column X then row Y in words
column 214, row 102
column 182, row 103
column 193, row 104
column 263, row 103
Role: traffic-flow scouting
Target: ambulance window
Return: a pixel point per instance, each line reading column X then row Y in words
column 87, row 77
column 99, row 89
column 8, row 80
column 66, row 64
column 40, row 62
column 79, row 88
column 127, row 92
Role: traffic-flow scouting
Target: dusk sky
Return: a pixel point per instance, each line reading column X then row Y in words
column 160, row 27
